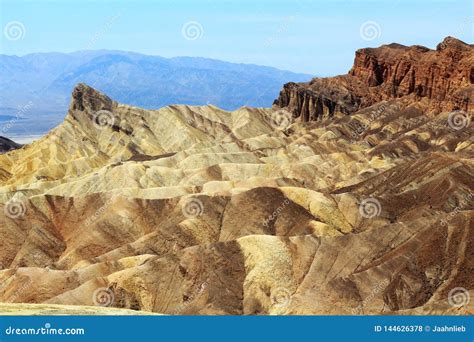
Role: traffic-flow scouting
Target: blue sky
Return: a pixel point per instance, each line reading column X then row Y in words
column 316, row 37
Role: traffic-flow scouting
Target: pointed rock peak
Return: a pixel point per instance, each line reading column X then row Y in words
column 85, row 98
column 451, row 43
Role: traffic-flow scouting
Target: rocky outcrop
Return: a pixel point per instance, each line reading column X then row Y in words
column 7, row 145
column 444, row 76
column 195, row 210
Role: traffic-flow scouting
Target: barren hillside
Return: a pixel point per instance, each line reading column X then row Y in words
column 341, row 199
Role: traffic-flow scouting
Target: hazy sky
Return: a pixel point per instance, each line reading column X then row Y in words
column 316, row 37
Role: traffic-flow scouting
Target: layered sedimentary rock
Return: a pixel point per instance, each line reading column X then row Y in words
column 445, row 76
column 195, row 210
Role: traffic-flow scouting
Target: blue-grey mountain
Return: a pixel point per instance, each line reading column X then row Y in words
column 43, row 82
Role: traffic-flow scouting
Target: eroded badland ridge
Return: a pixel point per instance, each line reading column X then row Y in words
column 353, row 195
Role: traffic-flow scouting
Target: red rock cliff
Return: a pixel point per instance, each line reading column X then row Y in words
column 444, row 76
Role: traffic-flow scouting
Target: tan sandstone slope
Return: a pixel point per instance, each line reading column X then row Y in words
column 195, row 210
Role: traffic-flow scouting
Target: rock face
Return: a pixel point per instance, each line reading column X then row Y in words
column 7, row 145
column 445, row 76
column 195, row 210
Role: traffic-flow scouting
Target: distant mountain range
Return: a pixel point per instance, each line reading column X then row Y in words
column 359, row 202
column 47, row 79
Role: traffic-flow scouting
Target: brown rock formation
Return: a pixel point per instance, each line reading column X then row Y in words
column 445, row 76
column 194, row 210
